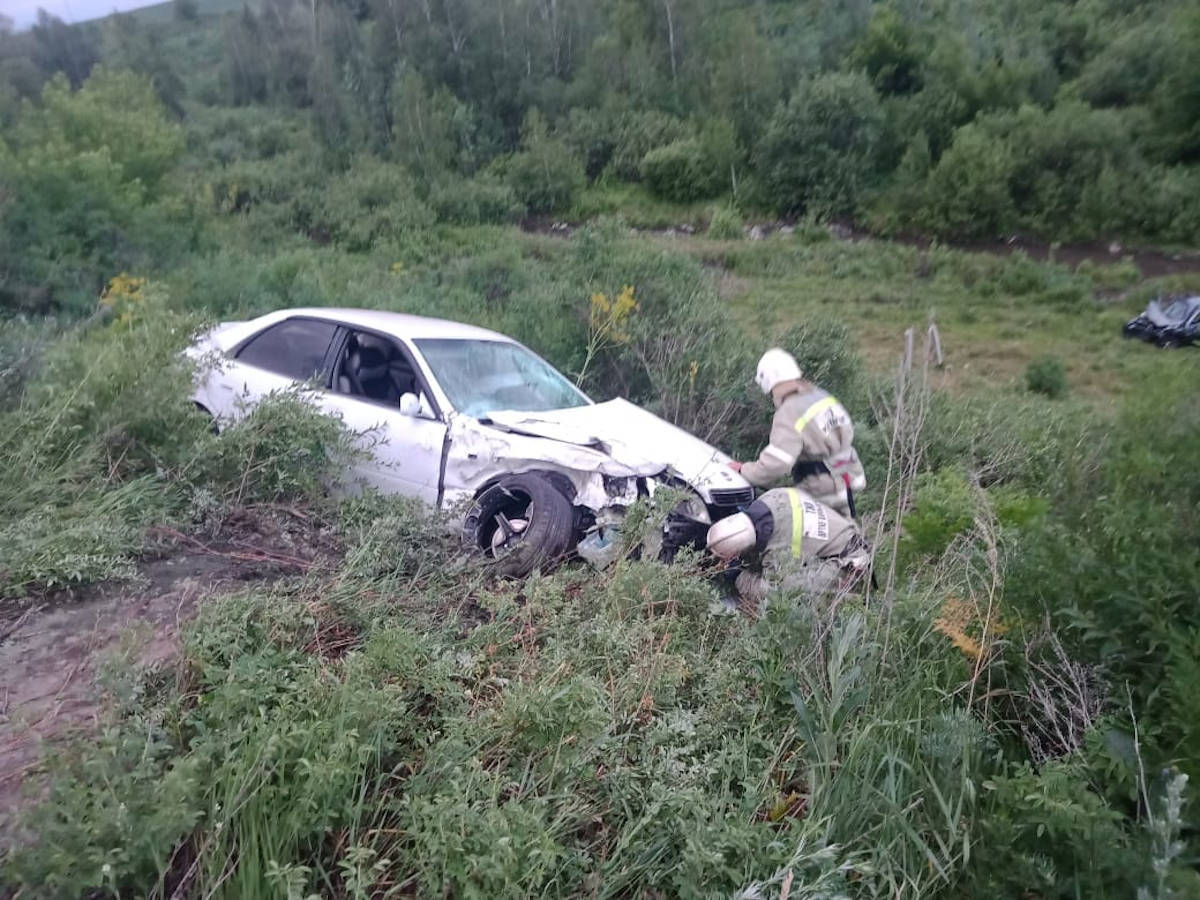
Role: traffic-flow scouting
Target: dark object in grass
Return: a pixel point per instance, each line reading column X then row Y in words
column 521, row 523
column 1168, row 322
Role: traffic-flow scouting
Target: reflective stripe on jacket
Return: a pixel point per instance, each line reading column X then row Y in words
column 803, row 528
column 810, row 426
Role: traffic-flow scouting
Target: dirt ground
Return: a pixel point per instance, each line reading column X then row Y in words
column 53, row 647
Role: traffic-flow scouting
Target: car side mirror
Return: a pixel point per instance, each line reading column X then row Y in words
column 410, row 404
column 416, row 405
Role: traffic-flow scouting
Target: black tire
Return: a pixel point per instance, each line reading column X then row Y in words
column 1167, row 343
column 547, row 537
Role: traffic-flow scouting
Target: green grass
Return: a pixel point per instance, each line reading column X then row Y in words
column 398, row 722
column 994, row 314
column 641, row 209
column 550, row 747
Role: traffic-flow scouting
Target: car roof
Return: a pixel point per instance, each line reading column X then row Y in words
column 401, row 325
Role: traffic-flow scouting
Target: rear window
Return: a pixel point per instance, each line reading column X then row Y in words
column 294, row 348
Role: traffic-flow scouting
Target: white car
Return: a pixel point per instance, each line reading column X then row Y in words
column 467, row 418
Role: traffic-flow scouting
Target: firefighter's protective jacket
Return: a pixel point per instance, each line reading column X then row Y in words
column 811, row 426
column 805, row 546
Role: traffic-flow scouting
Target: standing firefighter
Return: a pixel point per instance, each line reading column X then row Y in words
column 811, row 437
column 789, row 540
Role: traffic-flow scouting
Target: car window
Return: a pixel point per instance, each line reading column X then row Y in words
column 481, row 376
column 295, row 348
column 374, row 368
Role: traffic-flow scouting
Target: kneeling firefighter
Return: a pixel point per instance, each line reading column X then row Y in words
column 811, row 437
column 798, row 543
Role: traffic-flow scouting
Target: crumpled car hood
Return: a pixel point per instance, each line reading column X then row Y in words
column 632, row 437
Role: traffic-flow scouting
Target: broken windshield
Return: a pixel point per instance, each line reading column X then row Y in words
column 481, row 376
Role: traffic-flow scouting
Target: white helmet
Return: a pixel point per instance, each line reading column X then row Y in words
column 732, row 536
column 776, row 367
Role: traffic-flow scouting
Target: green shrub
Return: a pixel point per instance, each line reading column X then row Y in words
column 1048, row 831
column 473, row 201
column 545, row 176
column 819, row 150
column 679, row 172
column 824, row 348
column 889, row 52
column 1116, row 575
column 285, row 450
column 1072, row 171
column 1176, row 99
column 1127, row 70
column 372, row 203
column 725, row 224
column 942, row 509
column 1047, row 376
column 636, row 134
column 684, row 357
column 77, row 175
column 967, row 192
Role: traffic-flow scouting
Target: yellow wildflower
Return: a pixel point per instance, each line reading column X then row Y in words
column 954, row 621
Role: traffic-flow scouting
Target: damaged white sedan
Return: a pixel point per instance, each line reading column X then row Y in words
column 465, row 418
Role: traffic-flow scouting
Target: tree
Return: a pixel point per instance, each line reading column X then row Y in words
column 69, row 49
column 819, row 151
column 1176, row 99
column 244, row 66
column 128, row 44
column 422, row 130
column 967, row 193
column 888, row 52
column 545, row 175
column 80, row 169
column 744, row 81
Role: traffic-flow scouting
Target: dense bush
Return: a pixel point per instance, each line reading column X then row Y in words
column 1116, row 575
column 105, row 442
column 692, row 168
column 1047, row 376
column 819, row 150
column 680, row 172
column 1072, row 171
column 636, row 134
column 473, row 201
column 372, row 203
column 545, row 176
column 967, row 192
column 77, row 175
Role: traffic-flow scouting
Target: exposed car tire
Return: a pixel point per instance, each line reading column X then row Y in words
column 521, row 523
column 1167, row 343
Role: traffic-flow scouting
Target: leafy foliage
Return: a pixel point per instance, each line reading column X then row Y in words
column 545, row 175
column 818, row 152
column 78, row 173
column 582, row 733
column 1047, row 376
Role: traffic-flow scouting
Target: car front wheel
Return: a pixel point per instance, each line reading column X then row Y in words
column 521, row 523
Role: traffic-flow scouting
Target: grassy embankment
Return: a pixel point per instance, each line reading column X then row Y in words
column 390, row 721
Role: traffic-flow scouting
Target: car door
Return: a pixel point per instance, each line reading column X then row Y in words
column 402, row 448
column 280, row 357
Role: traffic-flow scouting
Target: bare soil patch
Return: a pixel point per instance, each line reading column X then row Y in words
column 52, row 646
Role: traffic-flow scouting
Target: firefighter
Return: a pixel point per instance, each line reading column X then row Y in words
column 811, row 438
column 787, row 539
